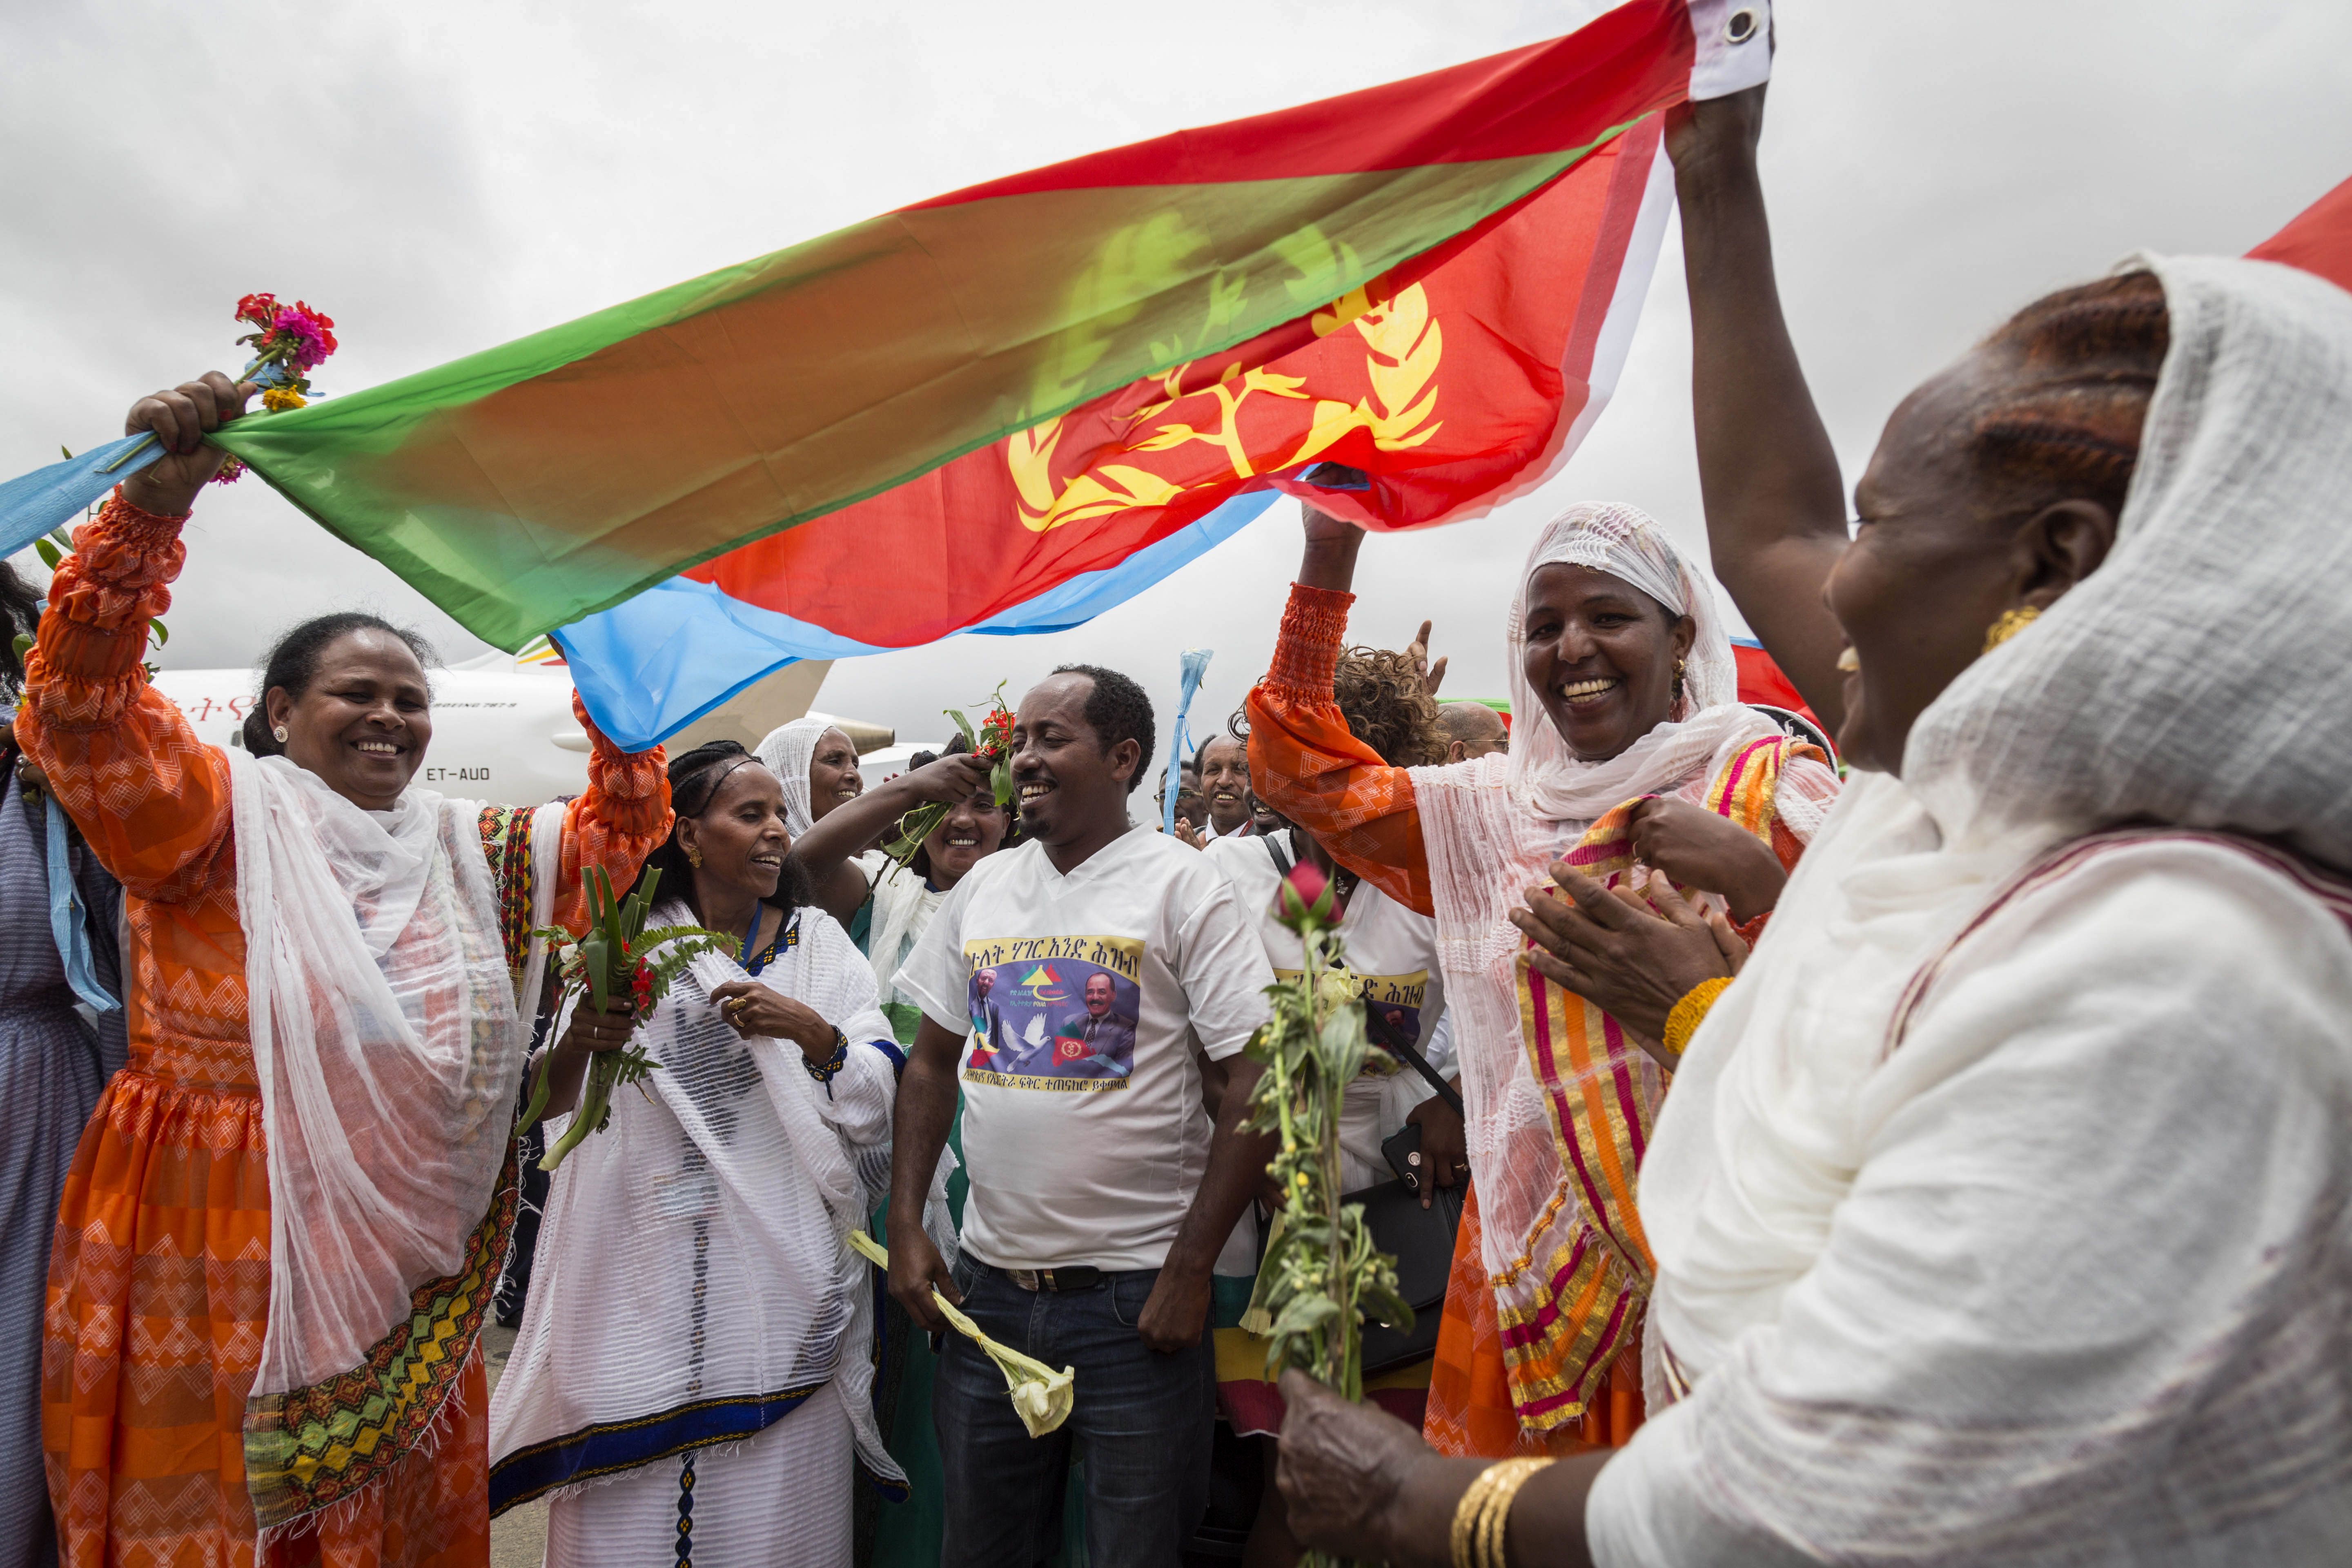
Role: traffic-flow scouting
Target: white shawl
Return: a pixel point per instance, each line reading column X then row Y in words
column 2200, row 678
column 387, row 1048
column 1494, row 824
column 694, row 1281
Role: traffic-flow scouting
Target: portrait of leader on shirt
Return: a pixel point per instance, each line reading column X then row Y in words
column 987, row 1019
column 1105, row 1038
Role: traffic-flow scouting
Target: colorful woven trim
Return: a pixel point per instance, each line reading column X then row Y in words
column 608, row 1447
column 506, row 840
column 313, row 1447
column 1572, row 1296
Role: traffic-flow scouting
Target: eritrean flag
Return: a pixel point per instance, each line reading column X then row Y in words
column 1009, row 408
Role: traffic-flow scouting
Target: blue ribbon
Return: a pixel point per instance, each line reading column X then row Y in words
column 69, row 918
column 1196, row 664
column 47, row 499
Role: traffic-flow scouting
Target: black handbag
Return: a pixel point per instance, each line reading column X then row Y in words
column 1421, row 1239
column 1423, row 1242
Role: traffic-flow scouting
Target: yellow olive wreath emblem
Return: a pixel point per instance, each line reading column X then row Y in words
column 1403, row 347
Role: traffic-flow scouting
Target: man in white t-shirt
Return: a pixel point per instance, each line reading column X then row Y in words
column 1101, row 1191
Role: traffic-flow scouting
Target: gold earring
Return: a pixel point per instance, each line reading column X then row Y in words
column 694, row 856
column 280, row 733
column 2008, row 624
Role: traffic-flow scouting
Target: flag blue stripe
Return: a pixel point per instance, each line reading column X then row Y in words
column 47, row 499
column 648, row 667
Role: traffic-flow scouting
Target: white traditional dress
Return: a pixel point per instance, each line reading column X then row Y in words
column 2003, row 1206
column 692, row 1375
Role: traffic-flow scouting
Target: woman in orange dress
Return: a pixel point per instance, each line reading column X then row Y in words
column 1632, row 754
column 171, row 1289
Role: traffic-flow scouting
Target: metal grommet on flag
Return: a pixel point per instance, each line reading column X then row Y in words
column 1741, row 26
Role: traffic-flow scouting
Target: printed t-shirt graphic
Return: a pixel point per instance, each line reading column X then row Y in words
column 1392, row 1013
column 1061, row 1012
column 1078, row 997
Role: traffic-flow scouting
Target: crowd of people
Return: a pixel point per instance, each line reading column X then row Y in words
column 1927, row 1151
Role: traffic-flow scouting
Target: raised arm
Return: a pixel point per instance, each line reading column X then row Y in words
column 828, row 849
column 152, row 800
column 1775, row 505
column 1304, row 762
column 619, row 820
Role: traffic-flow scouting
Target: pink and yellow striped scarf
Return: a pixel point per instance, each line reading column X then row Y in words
column 1571, row 1299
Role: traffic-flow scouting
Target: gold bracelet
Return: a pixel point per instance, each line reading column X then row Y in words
column 1691, row 1011
column 1499, row 1507
column 1480, row 1517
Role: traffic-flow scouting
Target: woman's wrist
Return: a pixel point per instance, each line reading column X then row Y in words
column 1417, row 1525
column 1330, row 563
column 815, row 1036
column 159, row 499
column 1686, row 1015
column 1759, row 888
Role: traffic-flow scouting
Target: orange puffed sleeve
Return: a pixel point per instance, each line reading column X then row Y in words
column 622, row 818
column 152, row 800
column 1305, row 763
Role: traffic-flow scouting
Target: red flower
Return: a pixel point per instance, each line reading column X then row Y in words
column 1304, row 897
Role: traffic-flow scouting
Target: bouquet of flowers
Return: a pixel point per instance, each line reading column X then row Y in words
column 991, row 743
column 611, row 960
column 289, row 341
column 1042, row 1398
column 1320, row 1276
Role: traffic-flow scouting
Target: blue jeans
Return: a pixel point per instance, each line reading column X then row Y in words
column 1141, row 1422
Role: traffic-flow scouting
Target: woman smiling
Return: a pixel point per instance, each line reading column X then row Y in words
column 1632, row 753
column 1999, row 1207
column 694, row 1287
column 300, row 1187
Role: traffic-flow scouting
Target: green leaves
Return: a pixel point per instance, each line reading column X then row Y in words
column 611, row 960
column 1321, row 1274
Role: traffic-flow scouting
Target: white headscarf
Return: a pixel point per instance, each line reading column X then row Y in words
column 1628, row 545
column 1494, row 824
column 787, row 752
column 2202, row 678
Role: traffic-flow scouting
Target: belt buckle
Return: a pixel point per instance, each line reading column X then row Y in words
column 1047, row 1279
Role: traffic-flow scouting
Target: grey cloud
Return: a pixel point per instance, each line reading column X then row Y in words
column 443, row 177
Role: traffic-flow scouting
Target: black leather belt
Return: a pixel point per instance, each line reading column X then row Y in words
column 1077, row 1277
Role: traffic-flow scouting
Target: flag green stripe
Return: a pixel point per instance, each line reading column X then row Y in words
column 526, row 486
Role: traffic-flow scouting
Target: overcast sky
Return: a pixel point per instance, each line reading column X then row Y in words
column 441, row 177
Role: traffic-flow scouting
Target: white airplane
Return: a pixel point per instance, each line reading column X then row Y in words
column 503, row 724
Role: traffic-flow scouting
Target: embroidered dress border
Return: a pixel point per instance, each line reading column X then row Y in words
column 609, row 1447
column 312, row 1447
column 505, row 833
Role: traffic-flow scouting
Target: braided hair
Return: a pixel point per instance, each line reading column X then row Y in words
column 695, row 778
column 2066, row 424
